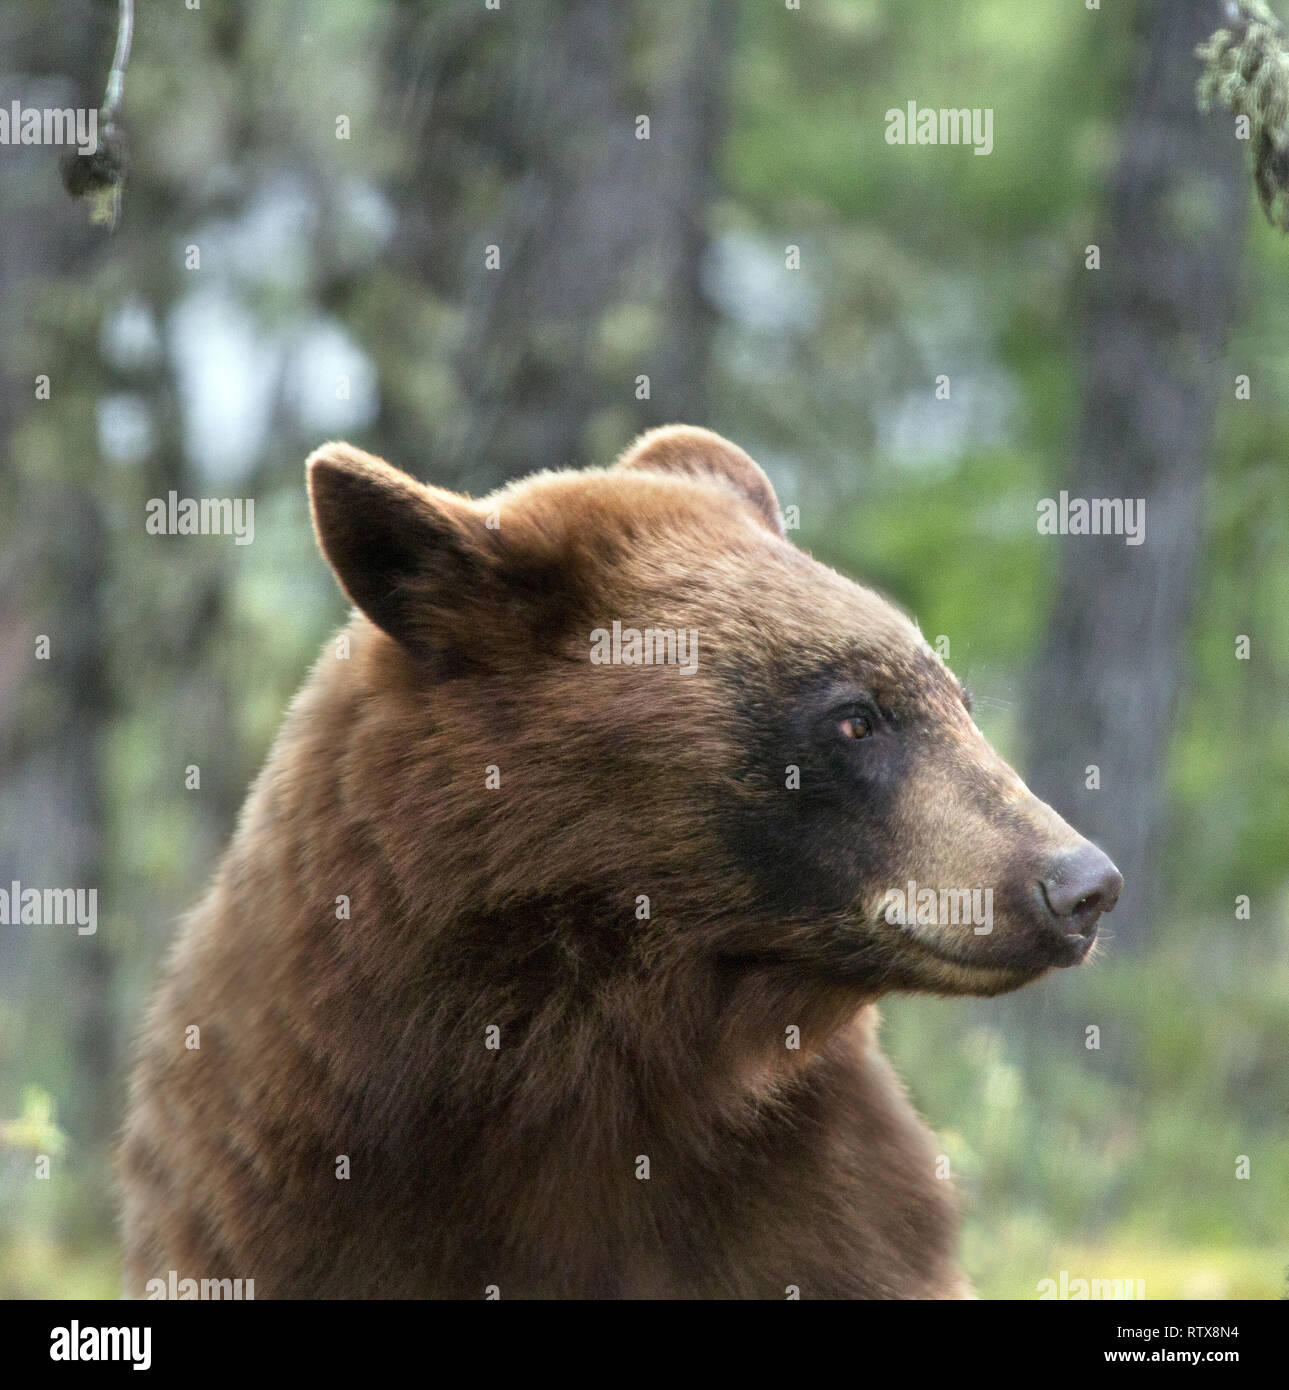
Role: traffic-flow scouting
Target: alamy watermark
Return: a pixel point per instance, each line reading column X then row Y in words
column 49, row 125
column 912, row 906
column 72, row 1342
column 1066, row 1287
column 49, row 907
column 925, row 125
column 173, row 515
column 651, row 646
column 1064, row 515
column 172, row 1287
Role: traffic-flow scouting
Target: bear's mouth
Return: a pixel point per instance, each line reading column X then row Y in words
column 1025, row 948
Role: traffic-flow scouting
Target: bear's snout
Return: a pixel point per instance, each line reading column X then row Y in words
column 1078, row 887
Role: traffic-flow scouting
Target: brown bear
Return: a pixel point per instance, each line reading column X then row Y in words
column 544, row 958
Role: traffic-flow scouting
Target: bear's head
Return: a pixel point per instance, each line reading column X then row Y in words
column 619, row 704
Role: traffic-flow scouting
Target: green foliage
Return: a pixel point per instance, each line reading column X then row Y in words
column 1120, row 1161
column 34, row 1130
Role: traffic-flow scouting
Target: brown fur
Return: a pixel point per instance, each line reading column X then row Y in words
column 517, row 908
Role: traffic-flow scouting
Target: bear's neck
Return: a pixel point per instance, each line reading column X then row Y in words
column 426, row 996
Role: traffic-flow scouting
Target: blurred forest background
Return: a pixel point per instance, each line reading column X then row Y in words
column 341, row 168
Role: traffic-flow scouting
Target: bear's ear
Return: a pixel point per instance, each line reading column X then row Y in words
column 405, row 554
column 705, row 455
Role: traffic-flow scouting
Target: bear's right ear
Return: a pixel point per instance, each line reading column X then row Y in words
column 703, row 454
column 402, row 551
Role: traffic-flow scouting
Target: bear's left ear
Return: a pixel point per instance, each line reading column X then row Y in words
column 424, row 566
column 706, row 456
column 403, row 552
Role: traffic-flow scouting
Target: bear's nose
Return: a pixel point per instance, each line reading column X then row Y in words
column 1080, row 886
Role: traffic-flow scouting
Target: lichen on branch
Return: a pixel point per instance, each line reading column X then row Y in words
column 1246, row 70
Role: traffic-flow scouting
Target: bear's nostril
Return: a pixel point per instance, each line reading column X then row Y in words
column 1080, row 886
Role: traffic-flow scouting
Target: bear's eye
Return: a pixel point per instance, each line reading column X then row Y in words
column 855, row 726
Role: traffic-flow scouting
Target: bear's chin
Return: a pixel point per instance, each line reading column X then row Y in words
column 951, row 979
column 987, row 971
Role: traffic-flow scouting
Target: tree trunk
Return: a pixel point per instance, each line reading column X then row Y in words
column 526, row 138
column 1156, row 318
column 51, row 744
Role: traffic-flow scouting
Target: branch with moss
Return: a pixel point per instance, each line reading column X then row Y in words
column 99, row 177
column 1246, row 70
